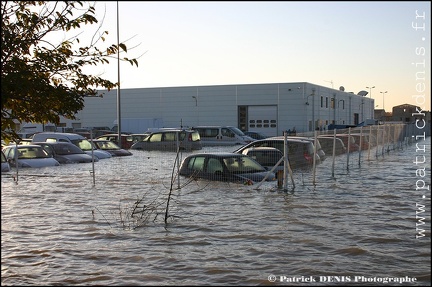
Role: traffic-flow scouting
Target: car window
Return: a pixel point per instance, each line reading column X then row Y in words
column 170, row 137
column 242, row 164
column 155, row 137
column 182, row 135
column 196, row 163
column 196, row 136
column 214, row 165
column 227, row 132
column 208, row 132
column 48, row 149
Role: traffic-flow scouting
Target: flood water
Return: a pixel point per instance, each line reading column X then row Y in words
column 363, row 226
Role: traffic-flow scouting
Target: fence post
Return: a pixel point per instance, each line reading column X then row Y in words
column 360, row 146
column 334, row 152
column 383, row 140
column 377, row 142
column 314, row 158
column 369, row 141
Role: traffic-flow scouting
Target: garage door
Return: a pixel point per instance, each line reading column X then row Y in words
column 263, row 119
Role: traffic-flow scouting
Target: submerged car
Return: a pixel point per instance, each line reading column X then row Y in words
column 126, row 139
column 111, row 147
column 300, row 152
column 28, row 156
column 318, row 149
column 66, row 153
column 348, row 140
column 224, row 166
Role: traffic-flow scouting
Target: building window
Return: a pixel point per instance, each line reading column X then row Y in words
column 242, row 113
column 322, row 101
column 326, row 102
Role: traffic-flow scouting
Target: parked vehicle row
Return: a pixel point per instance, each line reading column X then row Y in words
column 78, row 140
column 65, row 148
column 53, row 149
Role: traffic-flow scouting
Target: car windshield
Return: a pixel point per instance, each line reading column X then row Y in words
column 242, row 165
column 237, row 131
column 32, row 152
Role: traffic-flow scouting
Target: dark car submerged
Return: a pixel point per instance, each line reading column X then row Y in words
column 228, row 167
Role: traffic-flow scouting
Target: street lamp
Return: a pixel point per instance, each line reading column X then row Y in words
column 370, row 91
column 383, row 98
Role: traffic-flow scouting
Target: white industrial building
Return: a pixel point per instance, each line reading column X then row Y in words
column 269, row 108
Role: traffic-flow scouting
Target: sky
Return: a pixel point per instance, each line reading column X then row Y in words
column 357, row 45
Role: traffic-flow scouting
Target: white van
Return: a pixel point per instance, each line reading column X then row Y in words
column 222, row 135
column 76, row 139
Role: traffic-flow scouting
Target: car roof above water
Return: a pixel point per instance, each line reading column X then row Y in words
column 218, row 154
column 44, row 135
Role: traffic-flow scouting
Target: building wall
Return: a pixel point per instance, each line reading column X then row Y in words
column 218, row 105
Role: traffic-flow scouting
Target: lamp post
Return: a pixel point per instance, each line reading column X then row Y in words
column 119, row 142
column 370, row 91
column 383, row 98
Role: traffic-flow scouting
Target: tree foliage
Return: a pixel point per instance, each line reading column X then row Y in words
column 41, row 78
